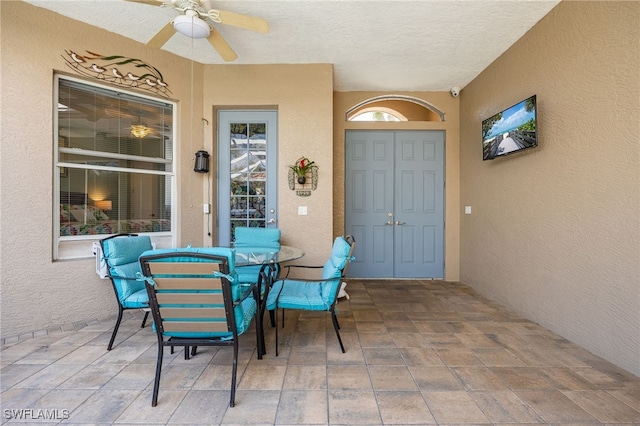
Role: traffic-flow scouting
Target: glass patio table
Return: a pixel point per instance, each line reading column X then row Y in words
column 270, row 259
column 246, row 256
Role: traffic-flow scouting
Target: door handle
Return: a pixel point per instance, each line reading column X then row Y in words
column 400, row 223
column 390, row 222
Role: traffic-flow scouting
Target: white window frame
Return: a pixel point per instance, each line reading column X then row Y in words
column 81, row 246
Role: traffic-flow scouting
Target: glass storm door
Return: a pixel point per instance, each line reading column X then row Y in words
column 247, row 181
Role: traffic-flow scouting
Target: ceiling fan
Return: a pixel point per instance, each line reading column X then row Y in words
column 193, row 23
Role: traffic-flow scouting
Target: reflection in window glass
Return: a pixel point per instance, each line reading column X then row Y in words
column 375, row 116
column 115, row 161
column 248, row 175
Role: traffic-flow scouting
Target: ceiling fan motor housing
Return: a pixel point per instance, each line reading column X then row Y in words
column 191, row 25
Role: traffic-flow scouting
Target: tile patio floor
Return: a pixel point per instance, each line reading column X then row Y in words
column 418, row 352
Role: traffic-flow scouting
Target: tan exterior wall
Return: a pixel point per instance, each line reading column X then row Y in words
column 560, row 246
column 303, row 97
column 446, row 103
column 554, row 233
column 36, row 292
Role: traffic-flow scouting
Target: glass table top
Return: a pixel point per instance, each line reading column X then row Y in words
column 256, row 256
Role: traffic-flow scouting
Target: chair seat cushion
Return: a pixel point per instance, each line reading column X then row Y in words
column 139, row 299
column 248, row 274
column 292, row 294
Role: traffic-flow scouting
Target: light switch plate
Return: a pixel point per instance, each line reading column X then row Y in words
column 467, row 209
column 302, row 210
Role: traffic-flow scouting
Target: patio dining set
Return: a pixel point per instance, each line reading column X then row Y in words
column 208, row 296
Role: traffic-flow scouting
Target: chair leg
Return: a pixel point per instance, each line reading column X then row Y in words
column 144, row 320
column 234, row 371
column 115, row 329
column 194, row 350
column 156, row 382
column 336, row 327
column 275, row 325
column 260, row 344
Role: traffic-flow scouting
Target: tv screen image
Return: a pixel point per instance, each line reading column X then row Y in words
column 511, row 130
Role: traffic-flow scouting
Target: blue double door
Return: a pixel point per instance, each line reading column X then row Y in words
column 394, row 203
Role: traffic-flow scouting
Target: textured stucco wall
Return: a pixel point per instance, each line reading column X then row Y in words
column 303, row 97
column 554, row 232
column 36, row 292
column 446, row 103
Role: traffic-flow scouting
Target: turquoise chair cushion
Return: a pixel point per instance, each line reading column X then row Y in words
column 122, row 255
column 139, row 299
column 248, row 273
column 243, row 312
column 312, row 296
column 292, row 294
column 338, row 259
column 257, row 237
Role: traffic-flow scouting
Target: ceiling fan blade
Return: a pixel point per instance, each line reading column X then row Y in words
column 221, row 46
column 243, row 21
column 162, row 36
column 149, row 2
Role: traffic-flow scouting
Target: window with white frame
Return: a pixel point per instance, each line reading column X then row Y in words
column 114, row 165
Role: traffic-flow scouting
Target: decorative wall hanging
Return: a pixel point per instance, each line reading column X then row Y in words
column 145, row 76
column 303, row 177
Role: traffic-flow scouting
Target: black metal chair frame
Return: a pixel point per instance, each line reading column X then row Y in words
column 332, row 308
column 187, row 342
column 121, row 308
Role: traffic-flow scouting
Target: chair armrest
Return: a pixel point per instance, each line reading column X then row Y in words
column 288, row 268
column 309, row 280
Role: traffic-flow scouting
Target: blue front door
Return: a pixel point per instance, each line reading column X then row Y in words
column 395, row 203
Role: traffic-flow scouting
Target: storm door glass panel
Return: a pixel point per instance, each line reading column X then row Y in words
column 248, row 174
column 247, row 164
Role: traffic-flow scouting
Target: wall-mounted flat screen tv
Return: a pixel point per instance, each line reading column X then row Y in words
column 511, row 130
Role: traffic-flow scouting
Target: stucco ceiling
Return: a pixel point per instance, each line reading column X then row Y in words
column 390, row 45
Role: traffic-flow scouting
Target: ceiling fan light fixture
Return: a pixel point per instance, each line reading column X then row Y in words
column 191, row 26
column 140, row 130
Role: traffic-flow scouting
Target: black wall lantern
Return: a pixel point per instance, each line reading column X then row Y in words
column 202, row 162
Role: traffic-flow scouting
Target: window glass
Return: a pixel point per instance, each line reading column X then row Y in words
column 248, row 174
column 375, row 116
column 115, row 162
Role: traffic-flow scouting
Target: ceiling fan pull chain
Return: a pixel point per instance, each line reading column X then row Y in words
column 214, row 15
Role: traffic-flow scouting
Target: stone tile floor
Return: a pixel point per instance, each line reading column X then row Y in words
column 417, row 352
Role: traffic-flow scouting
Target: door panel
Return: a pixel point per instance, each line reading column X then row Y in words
column 420, row 184
column 395, row 200
column 369, row 199
column 247, row 178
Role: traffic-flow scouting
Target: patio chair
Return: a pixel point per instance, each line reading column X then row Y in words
column 254, row 238
column 196, row 300
column 120, row 252
column 258, row 238
column 317, row 294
